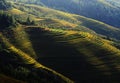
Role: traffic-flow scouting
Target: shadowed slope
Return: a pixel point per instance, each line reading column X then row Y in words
column 16, row 57
column 78, row 55
column 5, row 79
column 28, row 62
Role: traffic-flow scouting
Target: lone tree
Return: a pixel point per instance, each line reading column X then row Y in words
column 30, row 21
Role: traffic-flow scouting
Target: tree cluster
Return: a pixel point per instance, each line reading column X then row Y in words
column 6, row 20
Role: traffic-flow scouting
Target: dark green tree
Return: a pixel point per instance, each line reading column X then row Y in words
column 6, row 20
column 28, row 21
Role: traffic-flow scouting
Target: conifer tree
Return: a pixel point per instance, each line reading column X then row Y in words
column 6, row 20
column 28, row 21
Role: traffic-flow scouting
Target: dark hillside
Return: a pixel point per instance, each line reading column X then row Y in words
column 4, row 5
column 74, row 55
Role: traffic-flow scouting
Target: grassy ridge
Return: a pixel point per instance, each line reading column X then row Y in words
column 76, row 48
column 80, row 22
column 18, row 37
column 99, row 27
column 67, row 43
column 29, row 60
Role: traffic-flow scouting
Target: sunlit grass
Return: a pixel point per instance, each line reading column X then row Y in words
column 29, row 60
column 92, row 46
column 16, row 11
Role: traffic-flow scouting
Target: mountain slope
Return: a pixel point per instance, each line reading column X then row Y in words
column 82, row 23
column 70, row 44
column 108, row 9
column 79, row 55
column 15, row 63
column 25, row 63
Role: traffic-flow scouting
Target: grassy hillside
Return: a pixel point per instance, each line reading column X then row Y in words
column 67, row 43
column 80, row 22
column 108, row 9
column 65, row 47
column 16, row 58
column 79, row 55
column 25, row 65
